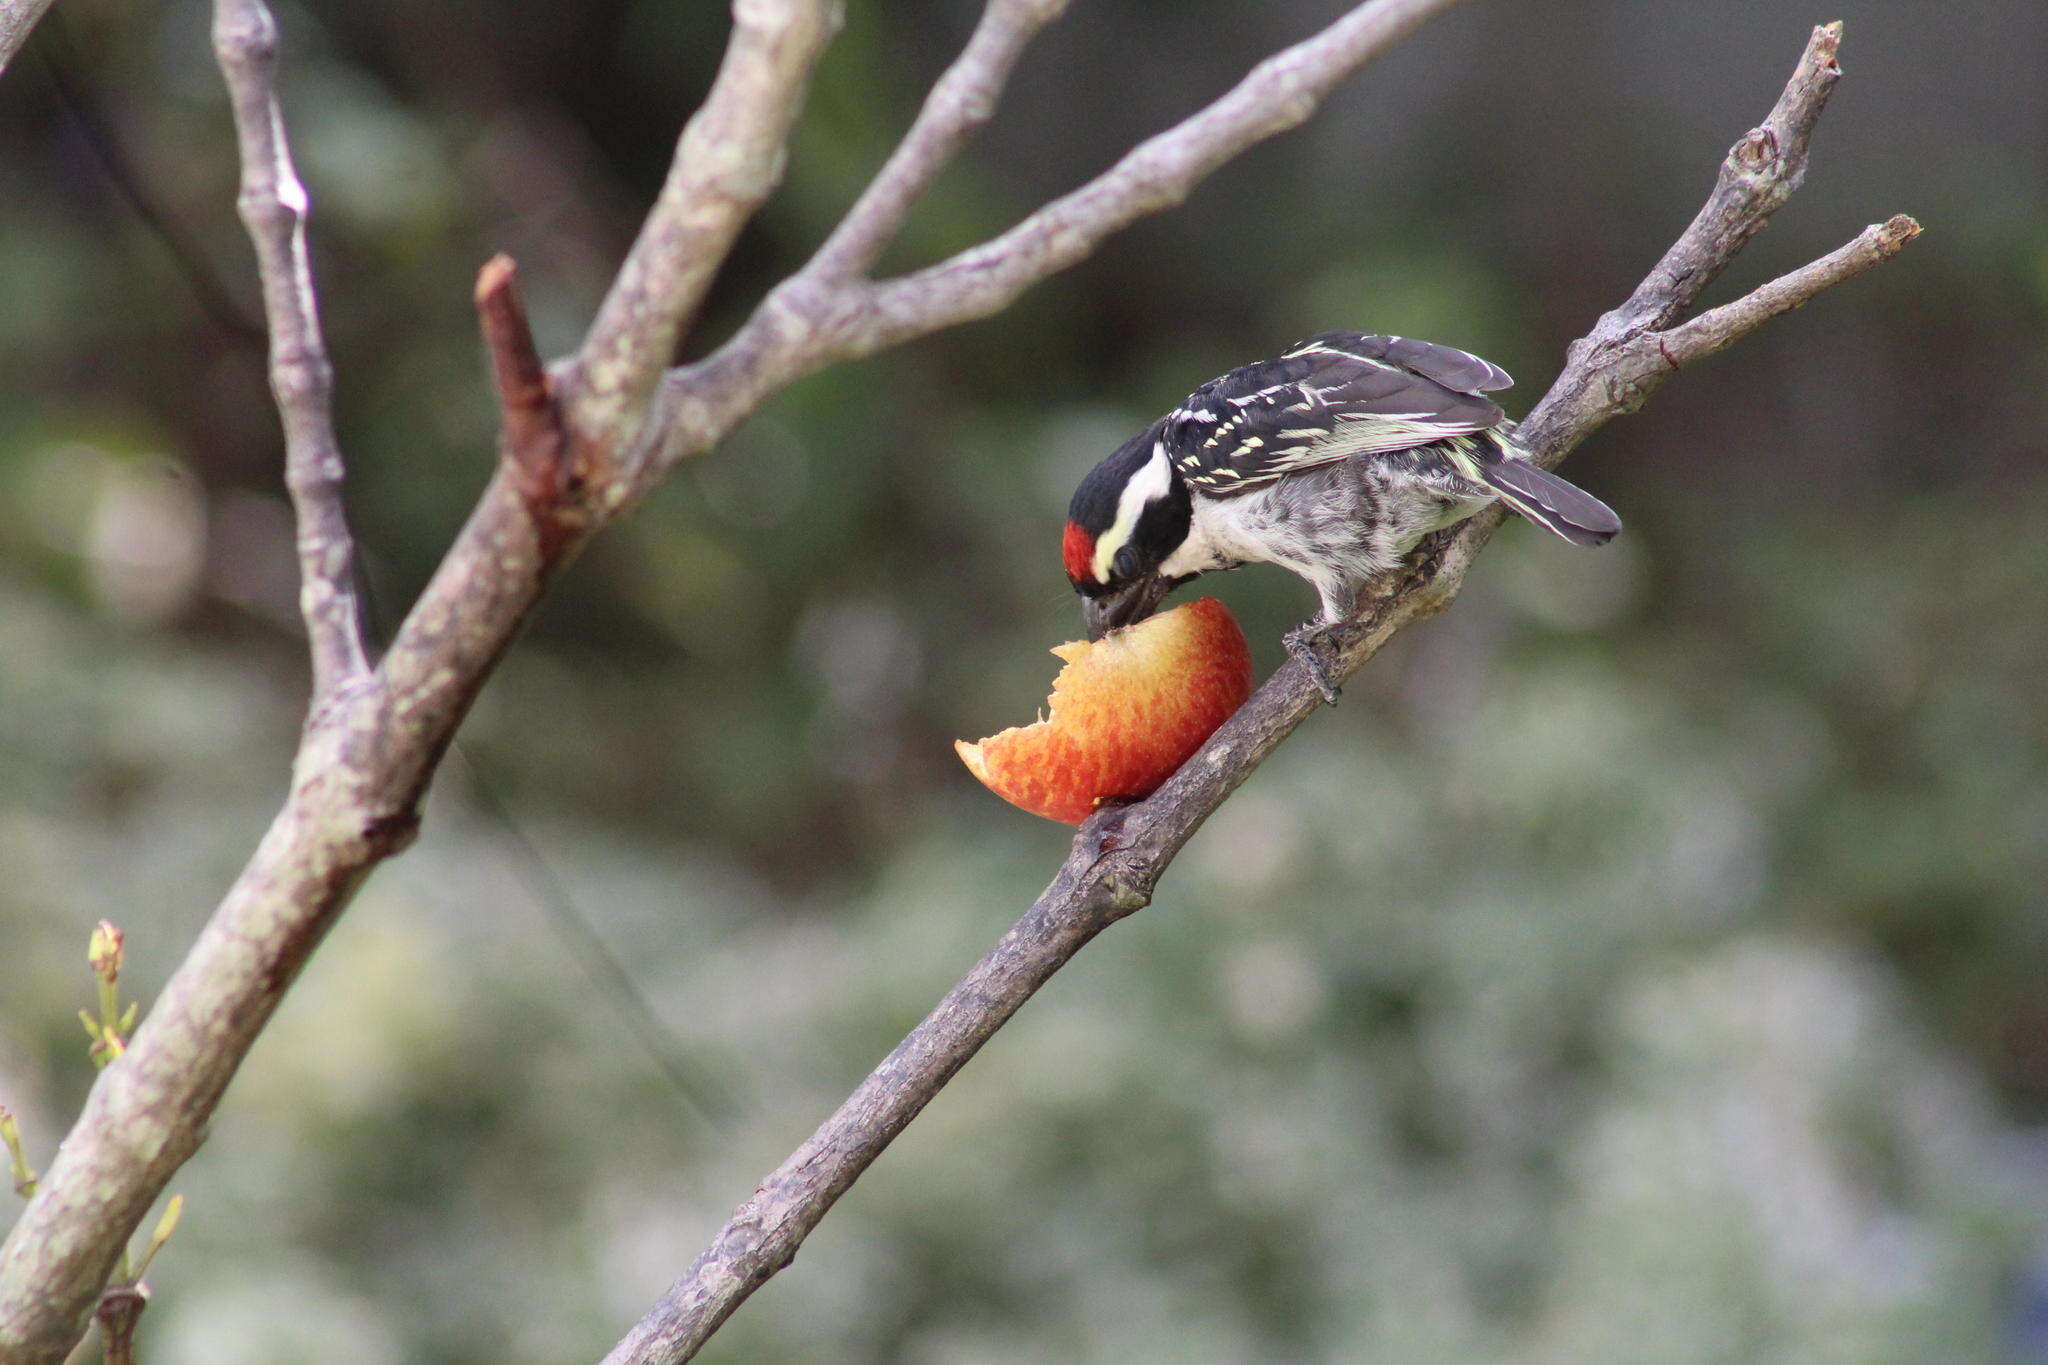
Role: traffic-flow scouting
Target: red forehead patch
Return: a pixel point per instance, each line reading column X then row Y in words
column 1077, row 551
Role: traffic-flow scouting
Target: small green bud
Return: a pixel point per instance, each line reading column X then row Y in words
column 10, row 1134
column 104, row 952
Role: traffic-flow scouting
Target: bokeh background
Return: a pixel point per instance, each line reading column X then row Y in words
column 1646, row 961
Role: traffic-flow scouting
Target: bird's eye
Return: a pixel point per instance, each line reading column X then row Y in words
column 1125, row 565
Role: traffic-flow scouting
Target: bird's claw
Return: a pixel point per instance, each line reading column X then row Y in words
column 1316, row 647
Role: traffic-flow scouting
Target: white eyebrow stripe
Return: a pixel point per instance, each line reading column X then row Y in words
column 1147, row 485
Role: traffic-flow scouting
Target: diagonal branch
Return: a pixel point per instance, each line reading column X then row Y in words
column 1718, row 328
column 18, row 19
column 1276, row 95
column 1759, row 174
column 729, row 158
column 1616, row 378
column 273, row 205
column 809, row 322
column 960, row 102
column 1118, row 856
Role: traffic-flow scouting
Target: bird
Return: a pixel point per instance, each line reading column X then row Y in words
column 1332, row 460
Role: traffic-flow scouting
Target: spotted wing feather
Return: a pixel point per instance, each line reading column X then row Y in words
column 1331, row 398
column 1459, row 371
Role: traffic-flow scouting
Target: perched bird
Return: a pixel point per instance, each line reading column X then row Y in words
column 1332, row 461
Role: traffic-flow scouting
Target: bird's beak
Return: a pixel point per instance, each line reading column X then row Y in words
column 1125, row 606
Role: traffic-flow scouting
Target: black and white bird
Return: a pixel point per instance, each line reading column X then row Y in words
column 1331, row 460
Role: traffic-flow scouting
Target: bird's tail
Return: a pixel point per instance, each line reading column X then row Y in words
column 1542, row 497
column 1551, row 503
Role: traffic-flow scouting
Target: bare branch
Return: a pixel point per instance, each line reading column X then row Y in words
column 273, row 206
column 729, row 158
column 1278, row 94
column 960, row 102
column 1760, row 173
column 1119, row 855
column 18, row 19
column 1618, row 377
column 808, row 323
column 1719, row 328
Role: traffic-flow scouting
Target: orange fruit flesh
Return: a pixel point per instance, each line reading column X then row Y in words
column 1125, row 712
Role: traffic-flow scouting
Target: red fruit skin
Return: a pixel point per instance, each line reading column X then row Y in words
column 1124, row 714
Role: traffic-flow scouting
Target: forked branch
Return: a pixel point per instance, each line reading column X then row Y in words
column 728, row 159
column 821, row 316
column 1119, row 855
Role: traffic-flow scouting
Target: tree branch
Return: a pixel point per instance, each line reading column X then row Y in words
column 1758, row 175
column 273, row 205
column 812, row 320
column 1718, row 328
column 1119, row 855
column 18, row 19
column 729, row 158
column 1278, row 94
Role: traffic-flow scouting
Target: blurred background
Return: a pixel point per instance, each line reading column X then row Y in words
column 1646, row 961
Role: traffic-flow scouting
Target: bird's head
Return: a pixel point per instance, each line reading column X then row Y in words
column 1127, row 517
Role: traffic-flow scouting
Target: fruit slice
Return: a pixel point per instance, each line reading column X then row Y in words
column 1124, row 713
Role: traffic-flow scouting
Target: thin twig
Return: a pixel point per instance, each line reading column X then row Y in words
column 960, row 103
column 1276, row 95
column 1118, row 856
column 730, row 155
column 273, row 205
column 1718, row 328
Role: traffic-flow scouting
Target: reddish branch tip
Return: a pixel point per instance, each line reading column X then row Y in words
column 515, row 363
column 1826, row 41
column 498, row 272
column 526, row 400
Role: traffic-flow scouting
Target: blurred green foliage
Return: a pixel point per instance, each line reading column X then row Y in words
column 1644, row 962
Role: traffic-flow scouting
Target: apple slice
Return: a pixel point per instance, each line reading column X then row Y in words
column 1124, row 713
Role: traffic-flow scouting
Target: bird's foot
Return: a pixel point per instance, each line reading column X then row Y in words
column 1315, row 645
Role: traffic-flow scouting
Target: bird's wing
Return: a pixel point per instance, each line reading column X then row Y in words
column 1328, row 399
